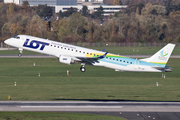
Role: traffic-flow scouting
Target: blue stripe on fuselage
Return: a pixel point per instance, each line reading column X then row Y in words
column 128, row 61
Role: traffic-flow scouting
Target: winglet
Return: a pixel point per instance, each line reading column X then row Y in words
column 103, row 56
column 103, row 50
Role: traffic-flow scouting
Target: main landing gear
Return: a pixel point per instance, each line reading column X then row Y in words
column 82, row 68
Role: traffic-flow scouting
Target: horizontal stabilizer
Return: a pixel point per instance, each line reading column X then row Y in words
column 164, row 69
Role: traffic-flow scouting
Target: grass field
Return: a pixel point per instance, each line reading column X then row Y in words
column 97, row 83
column 53, row 116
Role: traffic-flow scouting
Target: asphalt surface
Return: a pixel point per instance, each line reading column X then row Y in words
column 26, row 56
column 127, row 109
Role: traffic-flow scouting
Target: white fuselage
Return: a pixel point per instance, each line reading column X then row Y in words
column 83, row 55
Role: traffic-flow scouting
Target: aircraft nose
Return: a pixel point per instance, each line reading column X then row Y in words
column 7, row 41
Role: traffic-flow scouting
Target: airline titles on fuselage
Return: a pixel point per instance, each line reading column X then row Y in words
column 36, row 44
column 62, row 45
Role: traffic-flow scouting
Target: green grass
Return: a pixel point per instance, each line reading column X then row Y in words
column 53, row 116
column 97, row 83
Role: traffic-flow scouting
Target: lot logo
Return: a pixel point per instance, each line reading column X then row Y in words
column 163, row 55
column 35, row 44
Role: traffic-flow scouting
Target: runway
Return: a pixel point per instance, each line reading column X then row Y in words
column 127, row 109
column 27, row 56
column 90, row 106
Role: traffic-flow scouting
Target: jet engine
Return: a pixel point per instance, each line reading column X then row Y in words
column 65, row 59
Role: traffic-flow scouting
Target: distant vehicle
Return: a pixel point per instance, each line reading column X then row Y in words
column 70, row 53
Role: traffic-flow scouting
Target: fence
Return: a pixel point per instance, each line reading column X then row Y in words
column 124, row 44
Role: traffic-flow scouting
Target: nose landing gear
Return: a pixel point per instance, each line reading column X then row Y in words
column 20, row 52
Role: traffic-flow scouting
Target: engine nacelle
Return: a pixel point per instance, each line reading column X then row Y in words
column 65, row 59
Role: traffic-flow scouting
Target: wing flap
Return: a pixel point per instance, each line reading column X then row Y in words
column 91, row 60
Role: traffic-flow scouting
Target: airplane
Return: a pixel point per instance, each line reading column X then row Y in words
column 69, row 54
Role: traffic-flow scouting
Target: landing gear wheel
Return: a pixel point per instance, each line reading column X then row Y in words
column 83, row 69
column 19, row 54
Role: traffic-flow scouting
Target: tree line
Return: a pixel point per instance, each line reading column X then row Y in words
column 140, row 22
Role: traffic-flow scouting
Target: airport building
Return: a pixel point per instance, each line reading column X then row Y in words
column 63, row 5
column 108, row 10
column 89, row 2
column 43, row 2
column 12, row 1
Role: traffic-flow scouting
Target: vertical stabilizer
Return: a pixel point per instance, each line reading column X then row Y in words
column 162, row 56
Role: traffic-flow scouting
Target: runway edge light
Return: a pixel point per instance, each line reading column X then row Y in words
column 9, row 98
column 157, row 84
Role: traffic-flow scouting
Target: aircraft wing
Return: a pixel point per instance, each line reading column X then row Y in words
column 90, row 60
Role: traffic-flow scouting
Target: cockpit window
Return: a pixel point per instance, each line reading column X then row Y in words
column 17, row 37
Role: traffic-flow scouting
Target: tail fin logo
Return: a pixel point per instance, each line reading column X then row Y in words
column 163, row 54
